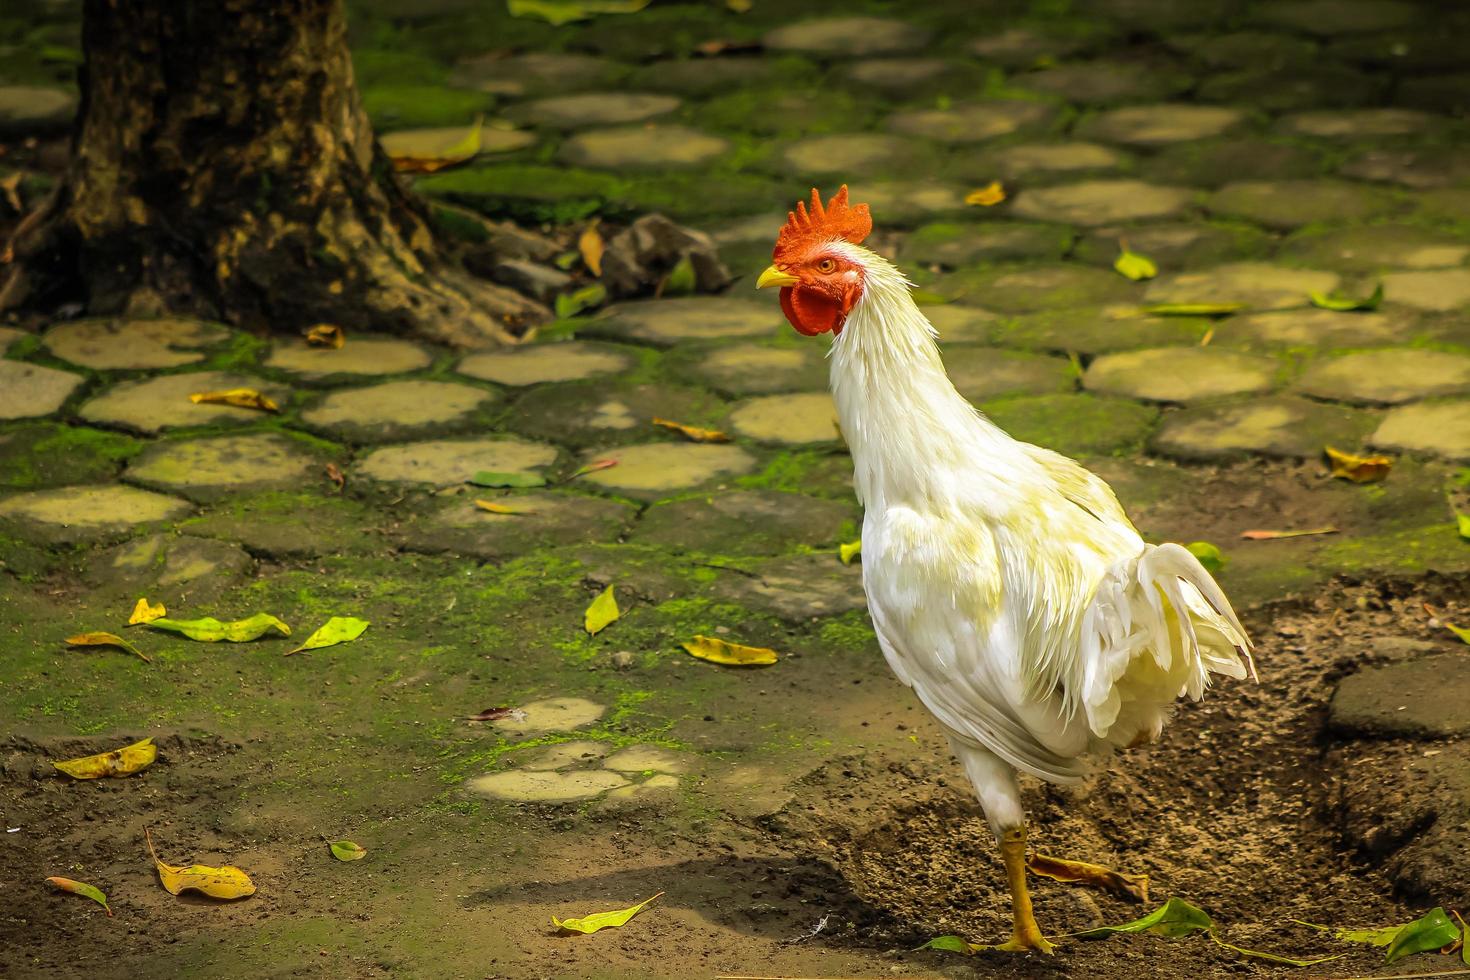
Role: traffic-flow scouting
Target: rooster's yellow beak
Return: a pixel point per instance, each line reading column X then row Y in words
column 775, row 277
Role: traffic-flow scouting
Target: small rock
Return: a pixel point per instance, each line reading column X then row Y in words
column 540, row 282
column 1420, row 698
column 642, row 255
column 623, row 660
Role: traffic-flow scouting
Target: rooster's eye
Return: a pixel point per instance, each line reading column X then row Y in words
column 827, row 266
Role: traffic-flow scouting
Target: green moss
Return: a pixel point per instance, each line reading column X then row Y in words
column 526, row 192
column 851, row 631
column 410, row 106
column 786, row 112
column 49, row 454
column 822, row 474
column 1075, row 424
column 1415, row 550
column 378, row 68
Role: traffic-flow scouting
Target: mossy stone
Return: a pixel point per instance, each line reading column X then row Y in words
column 26, row 110
column 1174, row 244
column 158, row 562
column 851, row 153
column 444, row 462
column 1378, row 248
column 702, row 76
column 1279, row 426
column 666, row 322
column 1437, row 290
column 1387, row 377
column 798, row 588
column 534, row 72
column 1074, row 424
column 904, row 203
column 71, row 515
column 1027, row 289
column 1258, row 285
column 592, row 109
column 438, row 141
column 296, row 523
column 1319, row 85
column 598, row 413
column 1103, row 82
column 396, row 410
column 520, row 786
column 542, row 363
column 1289, row 204
column 958, row 324
column 745, row 522
column 1356, row 124
column 1160, row 125
column 953, row 244
column 973, row 122
column 46, row 454
column 849, row 36
column 982, row 373
column 1095, row 330
column 1019, row 47
column 1244, row 49
column 133, row 344
column 1432, row 428
column 152, row 405
column 1330, row 17
column 751, row 368
column 1100, row 202
column 416, row 106
column 655, row 470
column 31, row 390
column 900, row 76
column 218, row 466
column 1314, row 328
column 1214, row 163
column 360, row 357
column 1027, row 160
column 1420, row 168
column 543, row 519
column 1180, row 374
column 782, row 111
column 642, row 148
column 796, row 419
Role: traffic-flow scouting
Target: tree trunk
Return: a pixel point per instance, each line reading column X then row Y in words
column 223, row 166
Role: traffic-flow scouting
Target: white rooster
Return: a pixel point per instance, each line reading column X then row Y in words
column 1005, row 583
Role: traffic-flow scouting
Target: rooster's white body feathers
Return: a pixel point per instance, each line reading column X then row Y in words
column 1005, row 583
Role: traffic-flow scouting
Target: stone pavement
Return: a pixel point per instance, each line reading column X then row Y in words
column 1258, row 153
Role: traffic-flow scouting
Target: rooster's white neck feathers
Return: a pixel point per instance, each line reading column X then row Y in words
column 911, row 433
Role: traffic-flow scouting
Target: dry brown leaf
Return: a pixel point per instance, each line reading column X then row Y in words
column 410, row 158
column 691, row 432
column 239, row 397
column 11, row 186
column 1273, row 535
column 100, row 639
column 591, row 247
column 335, row 475
column 326, row 335
column 1359, row 469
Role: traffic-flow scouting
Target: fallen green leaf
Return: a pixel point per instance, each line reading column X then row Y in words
column 1256, row 954
column 949, row 944
column 211, row 630
column 1193, row 309
column 486, row 478
column 847, row 552
column 578, row 300
column 1432, row 930
column 1381, row 936
column 338, row 629
column 1135, row 266
column 602, row 920
column 346, row 850
column 1462, row 521
column 602, row 613
column 681, row 280
column 559, row 12
column 1209, row 556
column 1347, row 304
column 84, row 889
column 1174, row 918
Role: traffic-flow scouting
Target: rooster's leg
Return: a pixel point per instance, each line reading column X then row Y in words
column 1025, row 934
column 1133, row 887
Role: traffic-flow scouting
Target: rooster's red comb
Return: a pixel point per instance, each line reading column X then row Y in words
column 837, row 220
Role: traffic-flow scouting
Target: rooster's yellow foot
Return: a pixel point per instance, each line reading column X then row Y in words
column 1027, row 940
column 1134, row 887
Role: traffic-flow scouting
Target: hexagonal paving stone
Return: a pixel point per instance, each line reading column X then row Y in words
column 961, row 324
column 1436, row 428
column 898, row 75
column 1173, row 244
column 854, row 36
column 1374, row 248
column 123, row 344
column 1289, row 204
column 360, row 356
column 1387, row 377
column 210, row 468
column 593, row 109
column 1044, row 287
column 797, row 588
column 1026, row 159
column 1101, row 82
column 662, row 468
column 154, row 404
column 1356, row 123
column 1156, row 125
column 1180, row 374
column 521, row 786
column 974, row 122
column 905, row 202
column 751, row 368
column 286, row 524
column 1257, row 285
column 546, row 519
column 1417, row 167
column 642, row 148
column 30, row 390
column 850, row 153
column 440, row 141
column 599, row 414
column 71, row 515
column 396, row 410
column 668, row 321
column 1100, row 202
column 165, row 561
column 1278, row 90
column 533, row 72
column 1093, row 330
column 1243, row 49
column 981, row 373
column 448, row 461
column 540, row 363
column 1323, row 329
column 26, row 109
column 1280, row 426
column 1074, row 424
column 1445, row 289
column 1329, row 17
column 1216, row 162
column 954, row 244
column 1017, row 47
column 704, row 76
column 787, row 419
column 745, row 522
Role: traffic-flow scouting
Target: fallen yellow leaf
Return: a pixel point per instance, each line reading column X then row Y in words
column 410, row 158
column 602, row 613
column 732, row 654
column 498, row 508
column 847, row 552
column 346, row 850
column 326, row 335
column 988, row 196
column 82, row 888
column 239, row 397
column 602, row 920
column 691, row 432
column 224, row 882
column 1359, row 469
column 119, row 762
column 144, row 612
column 105, row 640
column 1135, row 266
column 591, row 247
